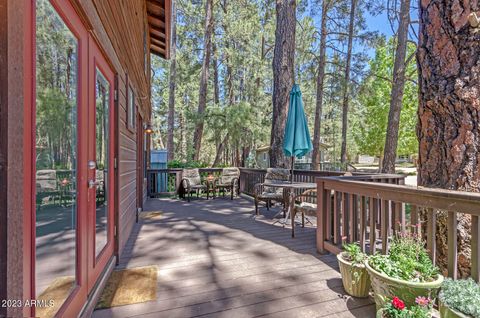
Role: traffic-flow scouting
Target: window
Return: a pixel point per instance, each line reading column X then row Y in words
column 131, row 109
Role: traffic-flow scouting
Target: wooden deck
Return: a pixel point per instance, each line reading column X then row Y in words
column 215, row 260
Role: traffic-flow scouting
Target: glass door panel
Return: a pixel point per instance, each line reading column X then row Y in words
column 56, row 157
column 102, row 140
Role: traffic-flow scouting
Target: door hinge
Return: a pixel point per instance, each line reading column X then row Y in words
column 115, row 165
column 116, row 94
column 115, row 231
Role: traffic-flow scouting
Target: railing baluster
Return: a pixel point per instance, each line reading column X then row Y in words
column 452, row 244
column 344, row 221
column 475, row 248
column 328, row 215
column 431, row 234
column 372, row 210
column 384, row 226
column 351, row 218
column 363, row 222
column 336, row 217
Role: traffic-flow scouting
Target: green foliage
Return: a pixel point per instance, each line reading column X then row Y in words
column 187, row 164
column 461, row 295
column 407, row 260
column 396, row 309
column 375, row 104
column 353, row 253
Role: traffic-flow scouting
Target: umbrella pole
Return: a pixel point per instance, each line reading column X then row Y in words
column 293, row 159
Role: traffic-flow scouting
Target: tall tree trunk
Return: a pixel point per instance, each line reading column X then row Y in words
column 172, row 88
column 283, row 77
column 320, row 80
column 449, row 138
column 183, row 137
column 202, row 95
column 216, row 88
column 346, row 95
column 220, row 149
column 396, row 99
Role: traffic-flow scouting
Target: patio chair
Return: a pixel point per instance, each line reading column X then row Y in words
column 262, row 192
column 229, row 180
column 46, row 187
column 192, row 182
column 304, row 207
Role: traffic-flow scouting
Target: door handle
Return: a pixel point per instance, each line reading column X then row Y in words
column 93, row 183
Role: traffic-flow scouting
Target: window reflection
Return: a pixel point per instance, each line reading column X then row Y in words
column 56, row 156
column 102, row 142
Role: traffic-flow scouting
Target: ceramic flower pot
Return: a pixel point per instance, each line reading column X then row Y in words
column 355, row 278
column 380, row 313
column 386, row 288
column 447, row 312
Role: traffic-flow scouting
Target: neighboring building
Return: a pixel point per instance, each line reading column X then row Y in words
column 74, row 101
column 262, row 158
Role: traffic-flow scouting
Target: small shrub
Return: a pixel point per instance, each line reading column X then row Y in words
column 186, row 164
column 352, row 253
column 462, row 295
column 407, row 259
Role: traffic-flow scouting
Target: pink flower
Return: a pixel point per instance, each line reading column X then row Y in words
column 423, row 301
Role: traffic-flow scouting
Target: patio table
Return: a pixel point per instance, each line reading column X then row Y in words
column 290, row 188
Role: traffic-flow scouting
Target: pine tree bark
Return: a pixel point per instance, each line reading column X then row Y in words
column 220, row 149
column 283, row 77
column 396, row 96
column 320, row 80
column 449, row 138
column 202, row 96
column 172, row 88
column 346, row 95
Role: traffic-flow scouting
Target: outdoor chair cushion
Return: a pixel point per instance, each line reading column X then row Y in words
column 228, row 175
column 307, row 208
column 193, row 177
column 276, row 175
column 46, row 180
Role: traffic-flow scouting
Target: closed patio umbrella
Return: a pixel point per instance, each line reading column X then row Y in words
column 296, row 141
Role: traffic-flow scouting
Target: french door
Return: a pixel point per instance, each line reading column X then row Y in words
column 100, row 163
column 74, row 159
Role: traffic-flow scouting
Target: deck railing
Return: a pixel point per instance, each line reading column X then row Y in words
column 370, row 213
column 167, row 181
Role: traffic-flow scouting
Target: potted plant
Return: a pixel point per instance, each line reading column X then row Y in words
column 396, row 308
column 405, row 272
column 355, row 279
column 459, row 298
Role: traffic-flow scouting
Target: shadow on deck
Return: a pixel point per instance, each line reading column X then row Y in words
column 215, row 260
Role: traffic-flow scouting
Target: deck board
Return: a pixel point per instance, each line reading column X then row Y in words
column 215, row 260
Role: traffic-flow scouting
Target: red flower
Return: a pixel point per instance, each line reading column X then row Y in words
column 398, row 304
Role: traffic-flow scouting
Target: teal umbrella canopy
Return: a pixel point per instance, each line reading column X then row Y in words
column 296, row 141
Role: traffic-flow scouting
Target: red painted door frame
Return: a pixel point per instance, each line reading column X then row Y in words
column 88, row 268
column 96, row 264
column 140, row 159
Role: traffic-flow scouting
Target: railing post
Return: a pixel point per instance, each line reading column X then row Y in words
column 178, row 180
column 452, row 244
column 321, row 215
column 475, row 248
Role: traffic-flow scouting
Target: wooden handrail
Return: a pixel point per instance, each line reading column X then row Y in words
column 370, row 213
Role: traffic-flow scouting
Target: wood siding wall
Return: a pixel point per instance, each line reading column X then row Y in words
column 118, row 26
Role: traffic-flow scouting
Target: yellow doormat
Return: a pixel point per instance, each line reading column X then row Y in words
column 150, row 215
column 56, row 293
column 129, row 286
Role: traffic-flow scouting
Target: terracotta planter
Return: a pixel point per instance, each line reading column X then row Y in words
column 385, row 288
column 447, row 312
column 355, row 278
